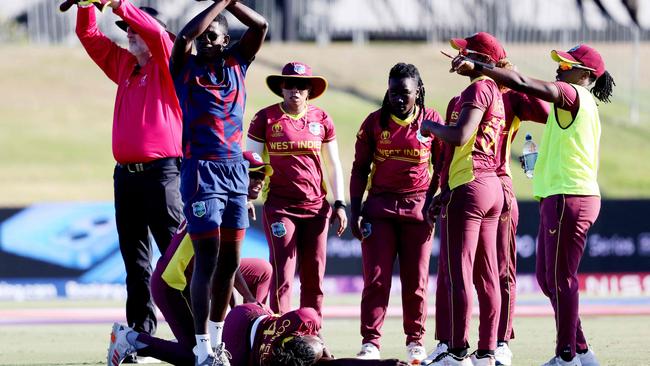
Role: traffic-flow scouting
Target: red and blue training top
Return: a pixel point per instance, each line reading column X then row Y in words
column 212, row 97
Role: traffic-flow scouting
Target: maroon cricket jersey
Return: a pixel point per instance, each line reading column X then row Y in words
column 478, row 156
column 399, row 155
column 518, row 107
column 293, row 144
column 274, row 329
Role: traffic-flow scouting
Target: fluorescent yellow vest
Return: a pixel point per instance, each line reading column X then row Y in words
column 567, row 162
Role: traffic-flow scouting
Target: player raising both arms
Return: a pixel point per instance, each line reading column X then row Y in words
column 298, row 138
column 565, row 181
column 472, row 207
column 214, row 180
column 391, row 223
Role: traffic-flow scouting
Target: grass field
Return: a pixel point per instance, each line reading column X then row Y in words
column 56, row 112
column 618, row 340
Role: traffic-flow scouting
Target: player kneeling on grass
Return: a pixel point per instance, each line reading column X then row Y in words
column 171, row 291
column 565, row 182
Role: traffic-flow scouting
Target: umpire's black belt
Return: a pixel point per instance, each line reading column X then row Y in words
column 141, row 167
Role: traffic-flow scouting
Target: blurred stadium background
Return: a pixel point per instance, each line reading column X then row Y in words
column 58, row 247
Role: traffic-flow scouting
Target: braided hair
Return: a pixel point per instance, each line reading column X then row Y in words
column 604, row 87
column 295, row 352
column 402, row 71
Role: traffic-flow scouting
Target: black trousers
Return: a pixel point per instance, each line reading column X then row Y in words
column 147, row 199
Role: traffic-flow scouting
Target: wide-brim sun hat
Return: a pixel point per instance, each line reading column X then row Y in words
column 297, row 70
column 481, row 42
column 256, row 164
column 581, row 55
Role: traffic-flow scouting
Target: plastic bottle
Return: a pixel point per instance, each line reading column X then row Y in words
column 529, row 156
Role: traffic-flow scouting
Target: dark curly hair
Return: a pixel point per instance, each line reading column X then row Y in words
column 604, row 87
column 401, row 71
column 295, row 352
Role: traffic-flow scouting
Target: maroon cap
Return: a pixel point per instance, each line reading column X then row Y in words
column 256, row 164
column 581, row 55
column 481, row 42
column 301, row 71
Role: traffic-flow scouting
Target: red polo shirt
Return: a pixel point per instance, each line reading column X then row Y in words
column 147, row 122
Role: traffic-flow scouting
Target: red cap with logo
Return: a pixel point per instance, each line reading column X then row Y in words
column 256, row 164
column 581, row 55
column 481, row 42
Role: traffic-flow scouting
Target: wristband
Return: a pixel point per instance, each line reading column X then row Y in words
column 339, row 204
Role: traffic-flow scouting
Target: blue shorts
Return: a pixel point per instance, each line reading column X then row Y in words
column 214, row 193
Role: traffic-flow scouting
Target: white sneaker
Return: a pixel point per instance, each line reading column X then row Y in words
column 503, row 355
column 440, row 349
column 487, row 360
column 448, row 359
column 221, row 355
column 588, row 358
column 119, row 347
column 415, row 353
column 368, row 352
column 557, row 361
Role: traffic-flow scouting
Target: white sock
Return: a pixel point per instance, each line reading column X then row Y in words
column 216, row 331
column 203, row 348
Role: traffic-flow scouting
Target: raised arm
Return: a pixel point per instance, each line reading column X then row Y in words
column 104, row 52
column 183, row 43
column 252, row 40
column 512, row 79
column 468, row 121
column 152, row 33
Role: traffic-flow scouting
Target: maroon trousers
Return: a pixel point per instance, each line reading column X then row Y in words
column 563, row 226
column 507, row 259
column 296, row 241
column 396, row 230
column 468, row 254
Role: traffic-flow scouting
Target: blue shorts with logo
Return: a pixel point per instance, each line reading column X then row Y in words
column 214, row 193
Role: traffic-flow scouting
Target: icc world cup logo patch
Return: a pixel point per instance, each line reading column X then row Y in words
column 278, row 229
column 384, row 137
column 198, row 209
column 277, row 130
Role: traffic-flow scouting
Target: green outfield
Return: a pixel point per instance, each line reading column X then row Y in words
column 56, row 111
column 618, row 340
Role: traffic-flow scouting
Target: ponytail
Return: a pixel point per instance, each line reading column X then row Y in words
column 604, row 87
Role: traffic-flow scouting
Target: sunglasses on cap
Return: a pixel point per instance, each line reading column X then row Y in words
column 299, row 84
column 467, row 52
column 564, row 66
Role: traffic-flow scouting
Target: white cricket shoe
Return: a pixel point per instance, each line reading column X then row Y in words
column 440, row 349
column 448, row 359
column 503, row 355
column 558, row 361
column 222, row 355
column 119, row 347
column 415, row 353
column 368, row 352
column 588, row 358
column 487, row 360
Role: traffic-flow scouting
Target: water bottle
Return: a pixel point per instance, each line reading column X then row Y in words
column 529, row 156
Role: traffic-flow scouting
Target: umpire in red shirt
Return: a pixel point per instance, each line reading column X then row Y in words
column 146, row 143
